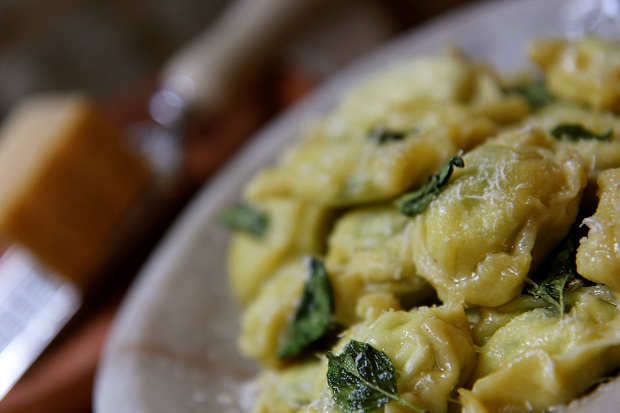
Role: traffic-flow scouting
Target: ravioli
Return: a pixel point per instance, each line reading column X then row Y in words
column 295, row 228
column 598, row 256
column 430, row 347
column 265, row 320
column 289, row 389
column 598, row 155
column 584, row 71
column 540, row 359
column 437, row 106
column 499, row 216
column 368, row 253
column 345, row 170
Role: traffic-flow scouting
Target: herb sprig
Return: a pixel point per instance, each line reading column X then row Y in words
column 382, row 135
column 363, row 379
column 314, row 314
column 558, row 275
column 246, row 218
column 416, row 202
column 575, row 132
column 536, row 94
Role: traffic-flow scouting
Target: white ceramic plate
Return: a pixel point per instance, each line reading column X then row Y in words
column 173, row 346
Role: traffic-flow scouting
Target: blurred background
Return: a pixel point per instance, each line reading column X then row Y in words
column 103, row 46
column 113, row 50
column 95, row 45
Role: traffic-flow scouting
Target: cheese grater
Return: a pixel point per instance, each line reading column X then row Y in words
column 31, row 312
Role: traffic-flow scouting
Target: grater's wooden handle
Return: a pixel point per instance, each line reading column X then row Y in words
column 68, row 180
column 213, row 70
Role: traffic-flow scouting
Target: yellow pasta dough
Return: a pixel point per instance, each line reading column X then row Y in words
column 344, row 170
column 500, row 214
column 288, row 389
column 598, row 155
column 264, row 321
column 368, row 254
column 430, row 347
column 295, row 228
column 598, row 257
column 444, row 104
column 584, row 71
column 539, row 359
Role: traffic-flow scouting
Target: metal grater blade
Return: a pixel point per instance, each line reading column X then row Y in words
column 35, row 304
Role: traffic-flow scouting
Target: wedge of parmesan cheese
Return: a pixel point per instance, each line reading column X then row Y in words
column 67, row 180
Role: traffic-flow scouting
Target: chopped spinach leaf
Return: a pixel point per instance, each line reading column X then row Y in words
column 382, row 135
column 363, row 379
column 558, row 275
column 413, row 203
column 574, row 132
column 536, row 94
column 246, row 218
column 314, row 314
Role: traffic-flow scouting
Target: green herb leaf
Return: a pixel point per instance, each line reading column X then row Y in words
column 413, row 203
column 558, row 275
column 536, row 94
column 246, row 218
column 314, row 313
column 574, row 132
column 363, row 379
column 382, row 135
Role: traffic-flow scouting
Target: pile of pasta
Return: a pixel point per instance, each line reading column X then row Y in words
column 467, row 227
